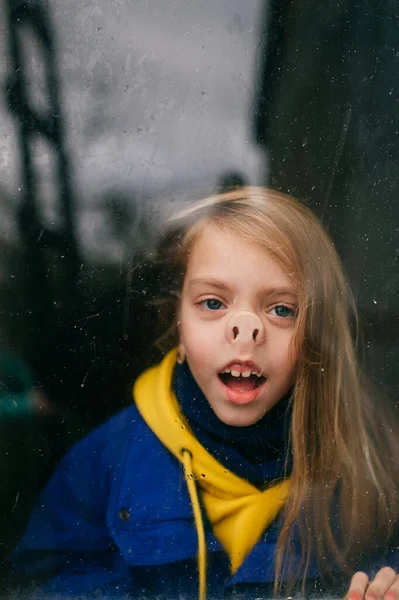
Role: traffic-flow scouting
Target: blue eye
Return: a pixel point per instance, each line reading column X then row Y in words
column 212, row 304
column 284, row 311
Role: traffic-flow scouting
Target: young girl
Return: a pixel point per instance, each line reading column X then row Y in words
column 253, row 458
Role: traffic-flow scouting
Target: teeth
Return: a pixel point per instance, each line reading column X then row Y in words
column 243, row 374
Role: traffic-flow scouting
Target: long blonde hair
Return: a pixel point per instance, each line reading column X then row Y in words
column 343, row 445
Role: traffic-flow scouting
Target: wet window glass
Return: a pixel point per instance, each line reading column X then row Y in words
column 199, row 299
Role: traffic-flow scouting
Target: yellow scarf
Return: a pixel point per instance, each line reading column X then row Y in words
column 238, row 511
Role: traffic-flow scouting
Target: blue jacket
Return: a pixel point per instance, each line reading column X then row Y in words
column 116, row 518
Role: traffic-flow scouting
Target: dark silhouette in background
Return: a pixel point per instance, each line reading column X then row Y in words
column 42, row 290
column 73, row 312
column 77, row 323
column 230, row 181
column 327, row 112
column 38, row 237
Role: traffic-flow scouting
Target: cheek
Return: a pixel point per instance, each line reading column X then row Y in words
column 193, row 330
column 285, row 370
column 198, row 340
column 284, row 357
column 200, row 346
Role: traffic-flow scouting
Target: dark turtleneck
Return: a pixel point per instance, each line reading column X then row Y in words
column 256, row 453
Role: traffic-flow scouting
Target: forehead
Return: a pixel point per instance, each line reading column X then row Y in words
column 224, row 255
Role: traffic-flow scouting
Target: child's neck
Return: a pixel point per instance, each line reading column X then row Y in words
column 256, row 453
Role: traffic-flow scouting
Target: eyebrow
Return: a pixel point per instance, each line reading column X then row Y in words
column 221, row 285
column 216, row 283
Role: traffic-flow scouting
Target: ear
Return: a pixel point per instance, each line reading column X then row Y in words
column 181, row 354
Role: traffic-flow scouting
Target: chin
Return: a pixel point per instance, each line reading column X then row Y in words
column 237, row 417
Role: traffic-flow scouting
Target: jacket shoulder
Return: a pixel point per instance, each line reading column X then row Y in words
column 107, row 442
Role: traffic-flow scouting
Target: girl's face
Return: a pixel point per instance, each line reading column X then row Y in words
column 237, row 316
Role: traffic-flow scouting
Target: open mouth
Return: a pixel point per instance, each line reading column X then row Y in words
column 242, row 382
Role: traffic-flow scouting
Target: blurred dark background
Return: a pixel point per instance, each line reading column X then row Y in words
column 111, row 113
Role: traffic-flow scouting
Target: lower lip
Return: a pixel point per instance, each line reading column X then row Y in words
column 242, row 398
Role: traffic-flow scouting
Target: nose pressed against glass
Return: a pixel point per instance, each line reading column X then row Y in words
column 245, row 327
